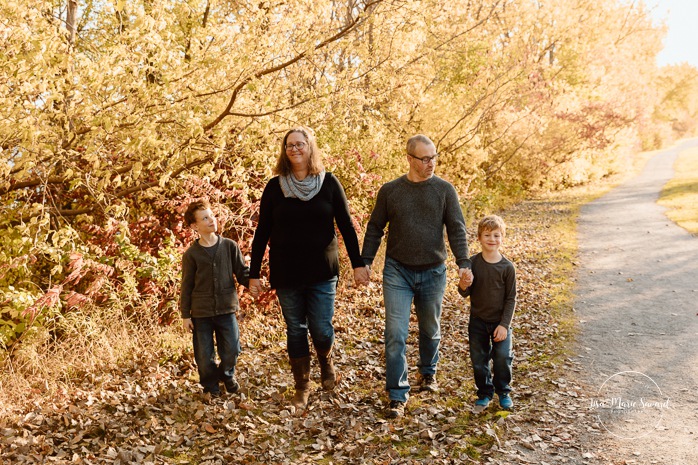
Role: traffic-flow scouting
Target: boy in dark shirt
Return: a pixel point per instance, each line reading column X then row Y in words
column 210, row 268
column 492, row 291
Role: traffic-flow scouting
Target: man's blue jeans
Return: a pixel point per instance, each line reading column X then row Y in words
column 402, row 287
column 482, row 350
column 225, row 328
column 306, row 309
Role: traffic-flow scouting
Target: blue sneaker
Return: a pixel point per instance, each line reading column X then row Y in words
column 481, row 404
column 505, row 401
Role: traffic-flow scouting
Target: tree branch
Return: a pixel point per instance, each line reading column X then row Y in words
column 233, row 98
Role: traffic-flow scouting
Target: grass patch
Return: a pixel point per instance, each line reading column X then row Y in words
column 680, row 195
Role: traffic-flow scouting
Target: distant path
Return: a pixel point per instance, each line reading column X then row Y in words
column 637, row 299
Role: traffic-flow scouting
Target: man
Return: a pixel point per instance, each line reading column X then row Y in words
column 416, row 206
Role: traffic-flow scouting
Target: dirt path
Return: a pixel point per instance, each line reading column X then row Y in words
column 627, row 396
column 637, row 300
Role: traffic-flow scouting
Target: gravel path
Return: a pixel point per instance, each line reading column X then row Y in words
column 637, row 300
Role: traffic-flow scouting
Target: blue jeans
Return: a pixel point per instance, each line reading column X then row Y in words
column 225, row 328
column 482, row 350
column 401, row 287
column 306, row 309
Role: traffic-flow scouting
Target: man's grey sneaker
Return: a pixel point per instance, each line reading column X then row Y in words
column 232, row 386
column 481, row 404
column 429, row 383
column 505, row 402
column 396, row 409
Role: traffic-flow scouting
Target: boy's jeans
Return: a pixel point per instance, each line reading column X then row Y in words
column 402, row 286
column 482, row 350
column 225, row 328
column 308, row 308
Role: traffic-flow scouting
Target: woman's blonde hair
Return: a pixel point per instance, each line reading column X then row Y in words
column 315, row 166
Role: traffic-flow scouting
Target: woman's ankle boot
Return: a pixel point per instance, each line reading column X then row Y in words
column 301, row 375
column 327, row 372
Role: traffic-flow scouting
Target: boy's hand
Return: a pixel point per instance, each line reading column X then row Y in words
column 500, row 333
column 466, row 278
column 255, row 287
column 188, row 325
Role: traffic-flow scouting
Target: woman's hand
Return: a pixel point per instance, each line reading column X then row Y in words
column 255, row 287
column 362, row 275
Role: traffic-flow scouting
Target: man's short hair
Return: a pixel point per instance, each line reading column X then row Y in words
column 195, row 206
column 491, row 223
column 414, row 140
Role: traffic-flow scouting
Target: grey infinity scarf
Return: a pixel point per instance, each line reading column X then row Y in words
column 305, row 189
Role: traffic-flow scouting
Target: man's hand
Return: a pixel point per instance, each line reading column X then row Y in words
column 188, row 325
column 466, row 278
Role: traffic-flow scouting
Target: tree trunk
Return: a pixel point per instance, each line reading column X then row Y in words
column 70, row 20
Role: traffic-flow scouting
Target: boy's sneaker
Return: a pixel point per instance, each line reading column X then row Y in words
column 481, row 404
column 214, row 394
column 396, row 409
column 232, row 386
column 429, row 384
column 505, row 402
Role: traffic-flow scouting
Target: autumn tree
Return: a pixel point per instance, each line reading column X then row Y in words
column 116, row 113
column 114, row 118
column 677, row 109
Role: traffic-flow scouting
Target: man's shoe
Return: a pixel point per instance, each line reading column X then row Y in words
column 396, row 409
column 429, row 383
column 505, row 402
column 232, row 386
column 481, row 404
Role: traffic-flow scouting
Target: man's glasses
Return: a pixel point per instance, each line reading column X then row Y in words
column 299, row 146
column 425, row 160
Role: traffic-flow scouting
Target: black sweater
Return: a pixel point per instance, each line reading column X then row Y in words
column 301, row 235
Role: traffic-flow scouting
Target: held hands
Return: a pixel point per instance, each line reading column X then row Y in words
column 466, row 278
column 500, row 333
column 188, row 325
column 362, row 275
column 255, row 287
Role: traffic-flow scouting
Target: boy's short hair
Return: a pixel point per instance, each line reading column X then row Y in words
column 195, row 206
column 490, row 223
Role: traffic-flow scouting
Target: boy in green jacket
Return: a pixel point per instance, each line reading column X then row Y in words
column 212, row 267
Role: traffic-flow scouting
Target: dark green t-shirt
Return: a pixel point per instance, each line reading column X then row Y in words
column 493, row 292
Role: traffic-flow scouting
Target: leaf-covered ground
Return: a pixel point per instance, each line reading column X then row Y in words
column 150, row 409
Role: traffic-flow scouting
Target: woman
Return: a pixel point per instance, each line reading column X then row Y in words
column 297, row 217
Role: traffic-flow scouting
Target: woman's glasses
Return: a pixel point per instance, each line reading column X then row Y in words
column 298, row 146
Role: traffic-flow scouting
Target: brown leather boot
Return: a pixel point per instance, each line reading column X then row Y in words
column 327, row 374
column 301, row 375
